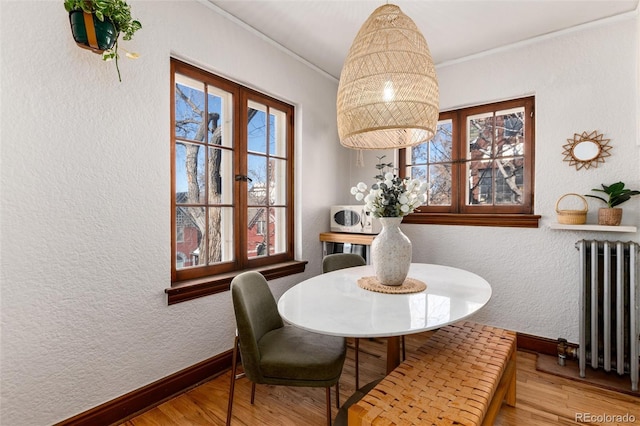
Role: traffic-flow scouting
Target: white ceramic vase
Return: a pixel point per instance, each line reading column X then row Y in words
column 391, row 253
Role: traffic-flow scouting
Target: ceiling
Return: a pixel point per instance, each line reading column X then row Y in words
column 321, row 31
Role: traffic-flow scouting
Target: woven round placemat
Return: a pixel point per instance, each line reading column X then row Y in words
column 410, row 285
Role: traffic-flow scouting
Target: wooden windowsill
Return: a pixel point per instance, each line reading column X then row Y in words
column 499, row 220
column 193, row 289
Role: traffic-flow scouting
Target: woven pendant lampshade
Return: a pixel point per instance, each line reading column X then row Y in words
column 388, row 92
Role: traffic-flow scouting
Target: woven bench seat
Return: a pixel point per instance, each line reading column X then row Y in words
column 460, row 375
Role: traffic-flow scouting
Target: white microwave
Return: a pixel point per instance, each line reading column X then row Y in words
column 353, row 219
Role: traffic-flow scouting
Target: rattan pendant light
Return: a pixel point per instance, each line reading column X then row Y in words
column 388, row 92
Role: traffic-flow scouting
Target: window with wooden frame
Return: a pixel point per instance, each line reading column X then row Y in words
column 479, row 167
column 231, row 183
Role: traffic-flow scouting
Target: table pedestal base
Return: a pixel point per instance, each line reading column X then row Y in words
column 393, row 353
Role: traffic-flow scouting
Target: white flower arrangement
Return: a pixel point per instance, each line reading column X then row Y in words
column 391, row 196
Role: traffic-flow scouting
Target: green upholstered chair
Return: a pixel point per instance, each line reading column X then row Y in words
column 277, row 354
column 333, row 262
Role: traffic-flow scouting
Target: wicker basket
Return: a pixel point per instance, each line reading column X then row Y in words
column 572, row 217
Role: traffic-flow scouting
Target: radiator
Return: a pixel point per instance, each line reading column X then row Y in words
column 609, row 307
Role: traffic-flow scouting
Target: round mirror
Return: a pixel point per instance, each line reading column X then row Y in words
column 586, row 150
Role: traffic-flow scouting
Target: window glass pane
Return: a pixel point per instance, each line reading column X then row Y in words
column 439, row 185
column 479, row 136
column 220, row 176
column 509, row 135
column 441, row 146
column 220, row 245
column 419, row 172
column 278, row 182
column 257, row 188
column 509, row 181
column 189, row 109
column 190, row 225
column 431, row 162
column 257, row 233
column 277, row 226
column 479, row 182
column 277, row 133
column 190, row 170
column 418, row 154
column 257, row 128
column 220, row 107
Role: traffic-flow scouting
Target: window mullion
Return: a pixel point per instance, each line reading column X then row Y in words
column 494, row 159
column 207, row 200
column 242, row 202
column 268, row 179
column 459, row 166
column 291, row 179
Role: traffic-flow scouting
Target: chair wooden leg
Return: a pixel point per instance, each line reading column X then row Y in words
column 253, row 392
column 338, row 395
column 234, row 366
column 404, row 355
column 328, row 405
column 357, row 356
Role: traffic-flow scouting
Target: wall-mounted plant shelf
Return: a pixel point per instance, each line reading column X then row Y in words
column 597, row 228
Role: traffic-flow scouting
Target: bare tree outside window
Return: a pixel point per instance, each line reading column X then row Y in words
column 197, row 122
column 495, row 157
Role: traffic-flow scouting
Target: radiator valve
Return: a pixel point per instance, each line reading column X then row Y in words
column 562, row 351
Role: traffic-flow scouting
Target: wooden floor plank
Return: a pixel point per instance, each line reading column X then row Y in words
column 542, row 399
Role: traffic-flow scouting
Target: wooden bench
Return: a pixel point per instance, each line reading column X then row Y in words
column 460, row 376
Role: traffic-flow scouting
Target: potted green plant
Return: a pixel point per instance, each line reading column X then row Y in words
column 97, row 24
column 616, row 195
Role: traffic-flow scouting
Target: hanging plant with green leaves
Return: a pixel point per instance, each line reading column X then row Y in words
column 118, row 12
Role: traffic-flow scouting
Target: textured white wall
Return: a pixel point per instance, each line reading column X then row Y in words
column 583, row 80
column 85, row 212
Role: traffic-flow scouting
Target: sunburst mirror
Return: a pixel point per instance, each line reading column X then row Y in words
column 586, row 150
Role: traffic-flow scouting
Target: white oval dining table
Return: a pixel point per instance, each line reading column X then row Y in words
column 334, row 304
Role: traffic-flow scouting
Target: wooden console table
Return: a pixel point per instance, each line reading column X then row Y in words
column 328, row 238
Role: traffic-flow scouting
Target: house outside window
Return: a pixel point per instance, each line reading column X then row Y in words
column 479, row 167
column 260, row 227
column 232, row 168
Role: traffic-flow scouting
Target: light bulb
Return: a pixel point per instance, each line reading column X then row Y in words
column 389, row 94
